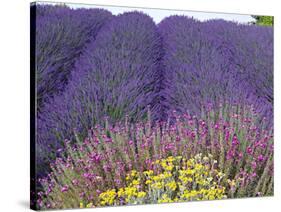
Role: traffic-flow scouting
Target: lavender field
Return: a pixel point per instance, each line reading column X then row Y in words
column 134, row 112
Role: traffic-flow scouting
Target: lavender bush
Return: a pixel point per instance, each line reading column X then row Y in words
column 61, row 36
column 196, row 69
column 114, row 77
column 211, row 61
column 254, row 64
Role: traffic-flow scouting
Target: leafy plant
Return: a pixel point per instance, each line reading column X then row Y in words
column 263, row 20
column 225, row 144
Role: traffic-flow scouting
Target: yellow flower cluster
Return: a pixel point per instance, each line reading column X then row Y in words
column 203, row 194
column 126, row 195
column 173, row 179
column 108, row 197
column 166, row 199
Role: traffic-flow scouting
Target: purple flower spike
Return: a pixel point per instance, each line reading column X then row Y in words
column 260, row 158
column 64, row 188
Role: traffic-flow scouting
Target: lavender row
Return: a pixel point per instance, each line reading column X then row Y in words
column 113, row 78
column 216, row 61
column 61, row 35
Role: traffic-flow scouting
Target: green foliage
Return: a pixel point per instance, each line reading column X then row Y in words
column 263, row 20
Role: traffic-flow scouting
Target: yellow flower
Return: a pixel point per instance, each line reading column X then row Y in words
column 190, row 171
column 148, row 182
column 179, row 157
column 198, row 167
column 133, row 173
column 170, row 159
column 177, row 180
column 211, row 197
column 141, row 194
column 190, row 162
column 169, row 168
column 172, row 185
column 156, row 178
column 220, row 174
column 148, row 173
column 90, row 205
column 121, row 192
column 130, row 191
column 135, row 182
column 165, row 199
column 157, row 185
column 167, row 174
column 108, row 197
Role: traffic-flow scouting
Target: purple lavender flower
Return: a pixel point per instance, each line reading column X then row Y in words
column 61, row 34
column 64, row 188
column 114, row 77
column 249, row 150
column 216, row 62
column 96, row 158
column 260, row 158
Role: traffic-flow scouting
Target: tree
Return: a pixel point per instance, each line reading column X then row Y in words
column 263, row 20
